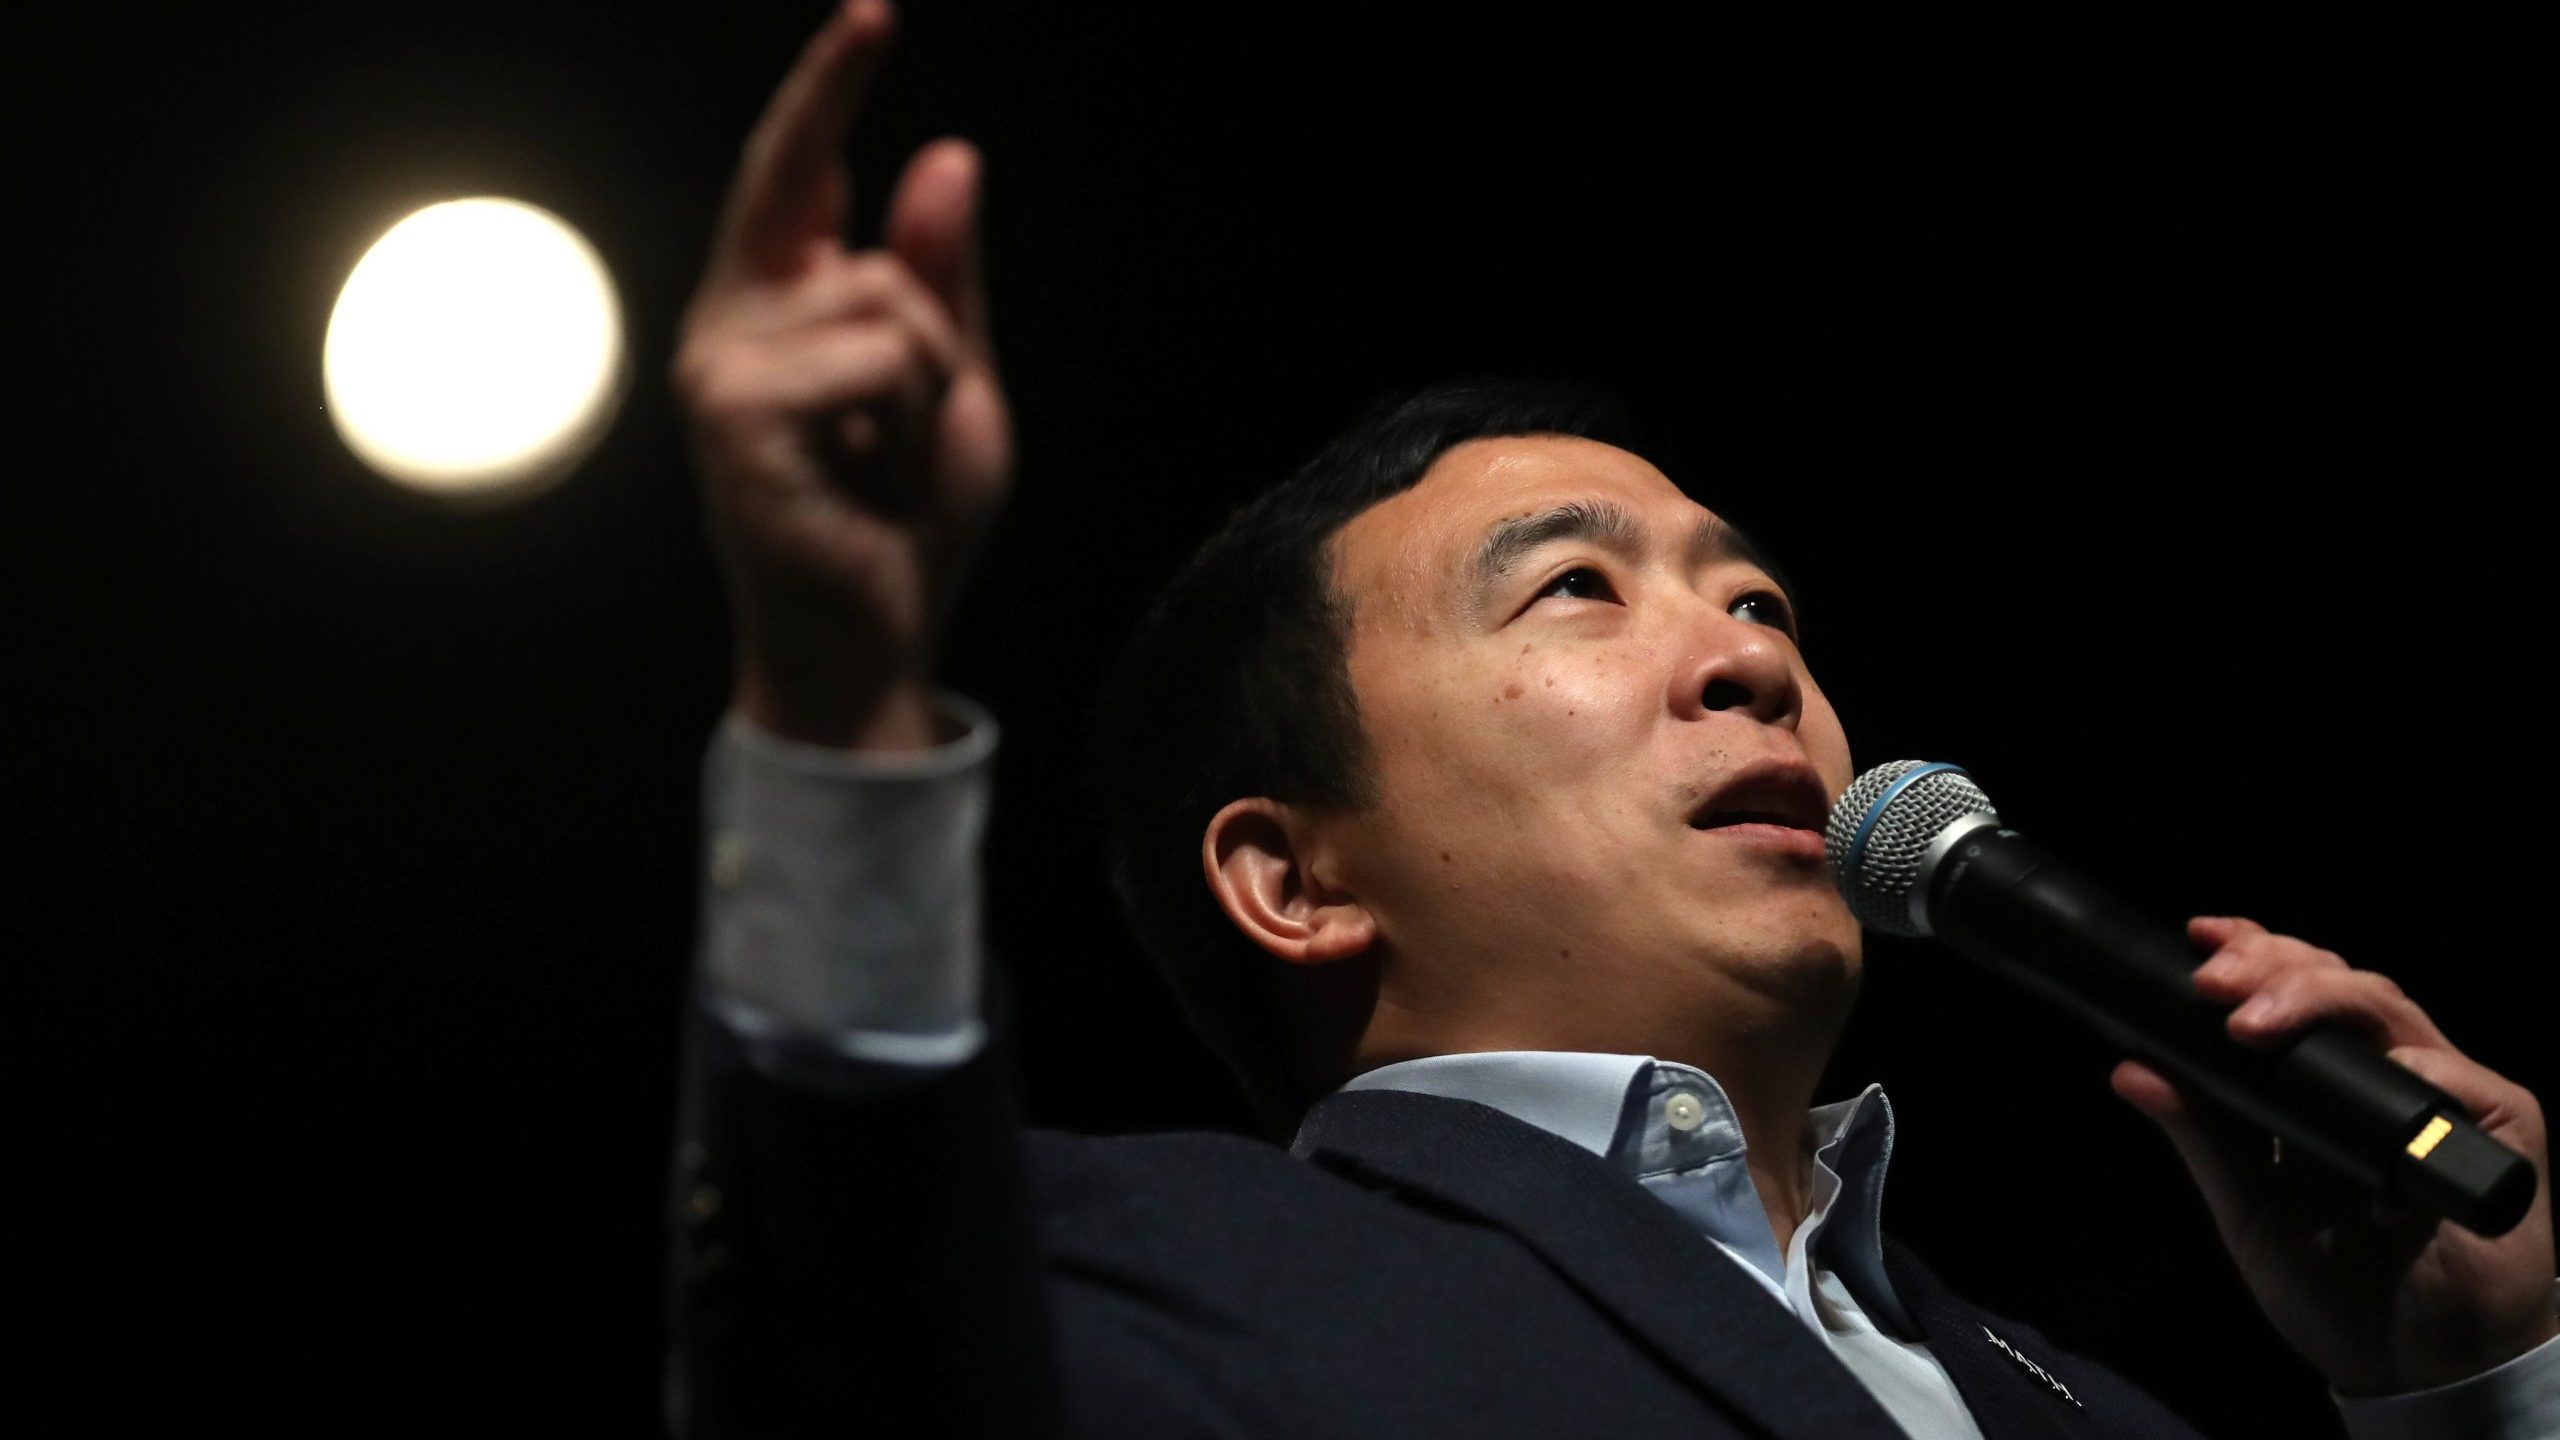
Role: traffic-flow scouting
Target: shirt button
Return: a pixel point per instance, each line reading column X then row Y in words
column 1684, row 1111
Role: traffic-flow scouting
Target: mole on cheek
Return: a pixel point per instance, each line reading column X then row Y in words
column 1511, row 691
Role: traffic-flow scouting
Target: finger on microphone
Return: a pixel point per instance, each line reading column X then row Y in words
column 2246, row 966
column 2146, row 1090
column 2369, row 1004
column 2219, row 930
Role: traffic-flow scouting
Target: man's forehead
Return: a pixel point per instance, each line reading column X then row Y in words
column 1414, row 550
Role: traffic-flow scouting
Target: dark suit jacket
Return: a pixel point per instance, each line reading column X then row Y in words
column 914, row 1263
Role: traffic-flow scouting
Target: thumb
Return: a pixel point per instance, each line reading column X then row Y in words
column 933, row 227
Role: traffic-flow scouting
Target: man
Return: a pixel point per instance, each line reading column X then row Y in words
column 1468, row 797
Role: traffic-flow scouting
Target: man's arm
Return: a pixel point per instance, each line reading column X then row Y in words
column 853, row 1265
column 852, row 1242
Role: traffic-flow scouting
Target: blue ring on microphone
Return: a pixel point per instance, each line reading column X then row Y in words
column 1875, row 812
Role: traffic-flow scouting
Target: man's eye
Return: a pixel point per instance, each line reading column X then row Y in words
column 1767, row 607
column 1583, row 583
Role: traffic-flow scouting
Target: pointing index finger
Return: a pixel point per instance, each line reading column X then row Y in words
column 791, row 188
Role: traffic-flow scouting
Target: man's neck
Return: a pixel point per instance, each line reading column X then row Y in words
column 1778, row 1167
column 1770, row 1100
column 1767, row 1048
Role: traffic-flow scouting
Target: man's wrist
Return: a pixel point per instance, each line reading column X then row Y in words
column 964, row 740
column 900, row 718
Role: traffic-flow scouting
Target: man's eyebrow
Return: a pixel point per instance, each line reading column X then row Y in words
column 1604, row 523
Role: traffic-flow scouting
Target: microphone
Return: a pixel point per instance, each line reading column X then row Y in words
column 1918, row 850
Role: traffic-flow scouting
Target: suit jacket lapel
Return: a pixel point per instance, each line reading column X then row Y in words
column 1625, row 1250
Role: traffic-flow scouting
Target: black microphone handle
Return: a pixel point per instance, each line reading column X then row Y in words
column 2007, row 903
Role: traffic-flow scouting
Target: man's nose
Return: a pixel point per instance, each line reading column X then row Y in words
column 1729, row 663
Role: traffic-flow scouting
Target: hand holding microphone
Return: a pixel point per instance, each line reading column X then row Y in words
column 2378, row 1303
column 1918, row 850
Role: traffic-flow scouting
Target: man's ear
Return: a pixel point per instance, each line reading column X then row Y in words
column 1259, row 857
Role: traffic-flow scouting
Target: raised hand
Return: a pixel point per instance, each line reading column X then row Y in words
column 2378, row 1300
column 845, row 413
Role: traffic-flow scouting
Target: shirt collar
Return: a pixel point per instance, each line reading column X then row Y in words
column 1657, row 1121
column 1579, row 1096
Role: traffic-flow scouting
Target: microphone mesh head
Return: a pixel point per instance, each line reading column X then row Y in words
column 1883, row 826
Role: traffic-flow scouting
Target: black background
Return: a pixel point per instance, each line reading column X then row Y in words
column 2152, row 406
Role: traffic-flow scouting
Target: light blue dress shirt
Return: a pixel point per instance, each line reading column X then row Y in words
column 840, row 925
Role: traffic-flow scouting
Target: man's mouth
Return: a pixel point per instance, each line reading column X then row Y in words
column 1789, row 796
column 1748, row 817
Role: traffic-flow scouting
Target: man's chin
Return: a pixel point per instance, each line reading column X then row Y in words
column 1816, row 966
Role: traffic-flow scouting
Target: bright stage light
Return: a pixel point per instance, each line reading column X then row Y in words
column 476, row 351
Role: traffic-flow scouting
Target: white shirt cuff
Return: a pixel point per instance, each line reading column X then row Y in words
column 840, row 894
column 2519, row 1400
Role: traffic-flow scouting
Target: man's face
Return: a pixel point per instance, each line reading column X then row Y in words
column 1598, row 751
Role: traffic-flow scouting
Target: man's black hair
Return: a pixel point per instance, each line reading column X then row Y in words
column 1236, row 683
